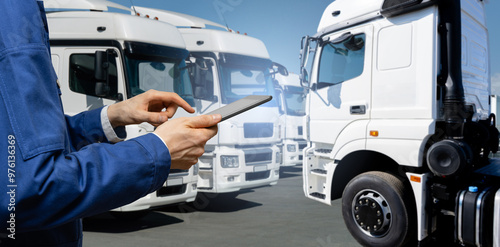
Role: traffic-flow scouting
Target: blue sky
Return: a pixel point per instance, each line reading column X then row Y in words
column 280, row 24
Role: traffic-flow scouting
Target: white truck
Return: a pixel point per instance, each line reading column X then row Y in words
column 398, row 121
column 225, row 67
column 293, row 98
column 102, row 57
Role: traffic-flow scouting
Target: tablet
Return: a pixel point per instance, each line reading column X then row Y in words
column 241, row 106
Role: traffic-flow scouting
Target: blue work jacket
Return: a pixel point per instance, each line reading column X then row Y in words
column 55, row 169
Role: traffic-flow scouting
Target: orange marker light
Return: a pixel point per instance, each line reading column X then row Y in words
column 415, row 179
column 374, row 133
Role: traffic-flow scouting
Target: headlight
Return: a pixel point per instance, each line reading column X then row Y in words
column 229, row 161
column 195, row 169
column 291, row 148
column 278, row 158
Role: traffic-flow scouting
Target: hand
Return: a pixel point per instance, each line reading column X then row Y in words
column 146, row 107
column 186, row 138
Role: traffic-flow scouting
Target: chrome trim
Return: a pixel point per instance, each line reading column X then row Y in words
column 459, row 216
column 496, row 220
column 479, row 200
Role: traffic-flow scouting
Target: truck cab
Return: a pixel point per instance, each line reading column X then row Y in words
column 293, row 101
column 102, row 57
column 228, row 66
column 398, row 121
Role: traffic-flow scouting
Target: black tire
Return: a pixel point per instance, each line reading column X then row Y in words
column 379, row 210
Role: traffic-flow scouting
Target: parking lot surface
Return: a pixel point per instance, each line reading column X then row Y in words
column 277, row 215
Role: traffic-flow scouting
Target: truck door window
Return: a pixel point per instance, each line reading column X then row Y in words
column 81, row 75
column 295, row 101
column 343, row 61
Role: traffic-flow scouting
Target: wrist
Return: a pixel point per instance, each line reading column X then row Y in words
column 114, row 116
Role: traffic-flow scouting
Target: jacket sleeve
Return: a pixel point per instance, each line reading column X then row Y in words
column 44, row 181
column 56, row 187
column 86, row 128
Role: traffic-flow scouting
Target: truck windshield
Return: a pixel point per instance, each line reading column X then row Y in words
column 295, row 101
column 159, row 68
column 242, row 76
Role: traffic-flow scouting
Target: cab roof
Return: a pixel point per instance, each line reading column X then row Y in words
column 94, row 5
column 201, row 36
column 92, row 25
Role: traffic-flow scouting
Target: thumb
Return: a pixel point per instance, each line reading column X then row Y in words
column 157, row 117
column 204, row 121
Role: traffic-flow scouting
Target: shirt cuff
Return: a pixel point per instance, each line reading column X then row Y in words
column 115, row 135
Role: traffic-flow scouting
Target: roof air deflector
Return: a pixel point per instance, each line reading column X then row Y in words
column 392, row 7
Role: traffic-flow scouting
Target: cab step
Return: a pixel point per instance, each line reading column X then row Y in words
column 318, row 195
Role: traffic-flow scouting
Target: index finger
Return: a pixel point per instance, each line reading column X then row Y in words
column 168, row 98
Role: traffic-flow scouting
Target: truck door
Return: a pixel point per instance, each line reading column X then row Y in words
column 78, row 82
column 340, row 96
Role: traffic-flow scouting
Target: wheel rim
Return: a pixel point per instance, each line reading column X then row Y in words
column 372, row 213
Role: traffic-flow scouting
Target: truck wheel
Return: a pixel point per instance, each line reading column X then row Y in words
column 378, row 210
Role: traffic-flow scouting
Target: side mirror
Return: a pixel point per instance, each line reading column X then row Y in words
column 283, row 71
column 280, row 69
column 200, row 73
column 100, row 89
column 215, row 99
column 304, row 50
column 101, row 72
column 304, row 55
column 199, row 92
column 304, row 77
column 101, row 66
column 202, row 63
column 281, row 100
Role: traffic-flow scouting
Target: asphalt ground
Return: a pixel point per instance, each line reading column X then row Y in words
column 278, row 215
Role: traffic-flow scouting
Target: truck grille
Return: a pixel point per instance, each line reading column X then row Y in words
column 258, row 130
column 178, row 171
column 171, row 190
column 252, row 176
column 302, row 146
column 257, row 156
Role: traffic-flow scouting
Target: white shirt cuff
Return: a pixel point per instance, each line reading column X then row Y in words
column 109, row 132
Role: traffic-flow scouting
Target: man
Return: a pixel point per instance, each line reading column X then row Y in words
column 55, row 169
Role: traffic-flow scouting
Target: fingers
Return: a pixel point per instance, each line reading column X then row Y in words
column 169, row 99
column 170, row 110
column 157, row 118
column 186, row 137
column 148, row 107
column 204, row 121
